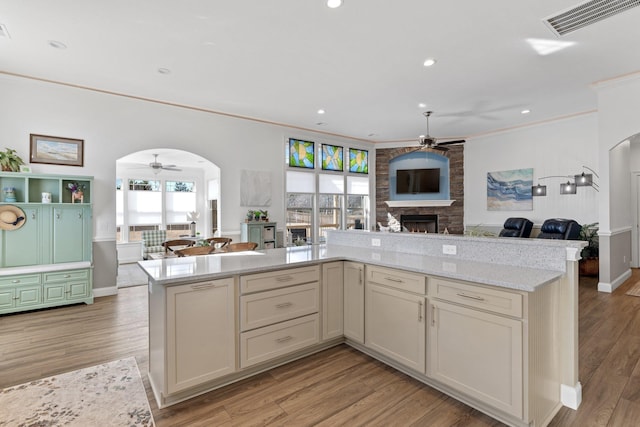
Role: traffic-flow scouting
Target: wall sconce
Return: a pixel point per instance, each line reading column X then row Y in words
column 581, row 180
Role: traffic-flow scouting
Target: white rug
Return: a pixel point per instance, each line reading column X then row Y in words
column 111, row 394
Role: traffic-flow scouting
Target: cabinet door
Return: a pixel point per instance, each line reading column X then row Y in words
column 255, row 235
column 477, row 353
column 200, row 333
column 395, row 325
column 24, row 245
column 354, row 301
column 332, row 300
column 69, row 234
column 27, row 296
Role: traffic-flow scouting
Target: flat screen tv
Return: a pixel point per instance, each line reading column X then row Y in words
column 414, row 181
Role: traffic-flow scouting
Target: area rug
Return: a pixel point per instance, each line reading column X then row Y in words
column 111, row 394
column 634, row 291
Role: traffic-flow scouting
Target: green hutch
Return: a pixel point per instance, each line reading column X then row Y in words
column 48, row 261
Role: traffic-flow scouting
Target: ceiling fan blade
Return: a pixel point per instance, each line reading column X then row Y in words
column 435, row 147
column 167, row 168
column 458, row 141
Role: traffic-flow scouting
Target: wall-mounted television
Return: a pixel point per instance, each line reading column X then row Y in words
column 414, row 181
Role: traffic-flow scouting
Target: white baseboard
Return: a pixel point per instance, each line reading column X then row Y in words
column 104, row 292
column 571, row 397
column 610, row 287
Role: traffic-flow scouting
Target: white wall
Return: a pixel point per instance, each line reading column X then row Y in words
column 113, row 126
column 556, row 148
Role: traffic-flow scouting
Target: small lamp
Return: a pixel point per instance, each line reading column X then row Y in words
column 584, row 180
column 539, row 190
column 568, row 188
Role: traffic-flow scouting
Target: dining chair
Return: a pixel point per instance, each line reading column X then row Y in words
column 238, row 247
column 195, row 250
column 219, row 242
column 170, row 245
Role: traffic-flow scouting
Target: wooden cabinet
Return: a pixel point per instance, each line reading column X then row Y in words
column 53, row 234
column 279, row 313
column 200, row 333
column 332, row 300
column 20, row 293
column 395, row 318
column 262, row 233
column 476, row 343
column 354, row 301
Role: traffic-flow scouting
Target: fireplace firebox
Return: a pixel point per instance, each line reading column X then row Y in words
column 419, row 223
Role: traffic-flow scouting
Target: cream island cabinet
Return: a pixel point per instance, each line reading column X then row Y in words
column 214, row 320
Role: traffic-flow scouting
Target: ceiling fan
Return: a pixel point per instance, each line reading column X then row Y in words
column 431, row 142
column 157, row 166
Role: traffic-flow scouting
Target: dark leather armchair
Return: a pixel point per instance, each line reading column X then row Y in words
column 559, row 228
column 516, row 227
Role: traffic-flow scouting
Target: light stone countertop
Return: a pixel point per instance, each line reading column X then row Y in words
column 174, row 271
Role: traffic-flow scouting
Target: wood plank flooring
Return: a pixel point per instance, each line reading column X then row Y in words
column 339, row 386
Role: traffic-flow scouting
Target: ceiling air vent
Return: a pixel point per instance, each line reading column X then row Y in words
column 586, row 14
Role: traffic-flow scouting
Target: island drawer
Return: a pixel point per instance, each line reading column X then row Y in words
column 490, row 299
column 278, row 279
column 276, row 340
column 265, row 308
column 402, row 280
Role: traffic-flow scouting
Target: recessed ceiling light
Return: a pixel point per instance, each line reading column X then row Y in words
column 57, row 45
column 321, row 111
column 429, row 62
column 164, row 71
column 525, row 111
column 422, row 105
column 334, row 3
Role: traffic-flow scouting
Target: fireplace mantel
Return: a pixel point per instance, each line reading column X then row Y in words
column 418, row 203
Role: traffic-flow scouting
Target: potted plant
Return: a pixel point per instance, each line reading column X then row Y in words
column 589, row 265
column 264, row 215
column 10, row 161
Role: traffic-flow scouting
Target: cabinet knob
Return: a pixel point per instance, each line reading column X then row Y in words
column 33, row 215
column 66, row 276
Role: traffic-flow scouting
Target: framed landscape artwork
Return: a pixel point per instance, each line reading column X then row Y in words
column 510, row 190
column 358, row 161
column 332, row 157
column 54, row 150
column 301, row 153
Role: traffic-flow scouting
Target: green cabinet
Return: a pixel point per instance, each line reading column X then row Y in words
column 55, row 235
column 262, row 233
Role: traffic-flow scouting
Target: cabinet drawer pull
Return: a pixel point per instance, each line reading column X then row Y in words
column 283, row 278
column 284, row 339
column 15, row 281
column 360, row 275
column 419, row 311
column 393, row 279
column 66, row 276
column 284, row 305
column 470, row 297
column 203, row 287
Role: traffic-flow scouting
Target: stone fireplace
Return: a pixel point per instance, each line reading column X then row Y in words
column 419, row 223
column 450, row 217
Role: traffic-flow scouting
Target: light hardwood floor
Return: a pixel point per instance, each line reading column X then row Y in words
column 339, row 386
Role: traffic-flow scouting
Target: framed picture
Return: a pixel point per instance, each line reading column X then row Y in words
column 54, row 150
column 301, row 153
column 358, row 161
column 332, row 157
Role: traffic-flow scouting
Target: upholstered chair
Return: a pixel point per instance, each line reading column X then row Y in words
column 516, row 227
column 560, row 228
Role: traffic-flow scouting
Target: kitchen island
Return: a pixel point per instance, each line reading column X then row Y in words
column 219, row 318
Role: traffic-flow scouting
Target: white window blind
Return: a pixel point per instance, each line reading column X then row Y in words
column 144, row 207
column 358, row 185
column 331, row 184
column 301, row 182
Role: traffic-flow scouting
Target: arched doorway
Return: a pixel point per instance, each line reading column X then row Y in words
column 164, row 189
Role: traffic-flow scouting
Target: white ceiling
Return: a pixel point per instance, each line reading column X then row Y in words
column 282, row 60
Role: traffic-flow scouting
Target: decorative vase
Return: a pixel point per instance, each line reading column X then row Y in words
column 9, row 194
column 77, row 195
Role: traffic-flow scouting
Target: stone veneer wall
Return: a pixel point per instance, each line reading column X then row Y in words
column 449, row 217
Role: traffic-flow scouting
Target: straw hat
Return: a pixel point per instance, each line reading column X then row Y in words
column 11, row 217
